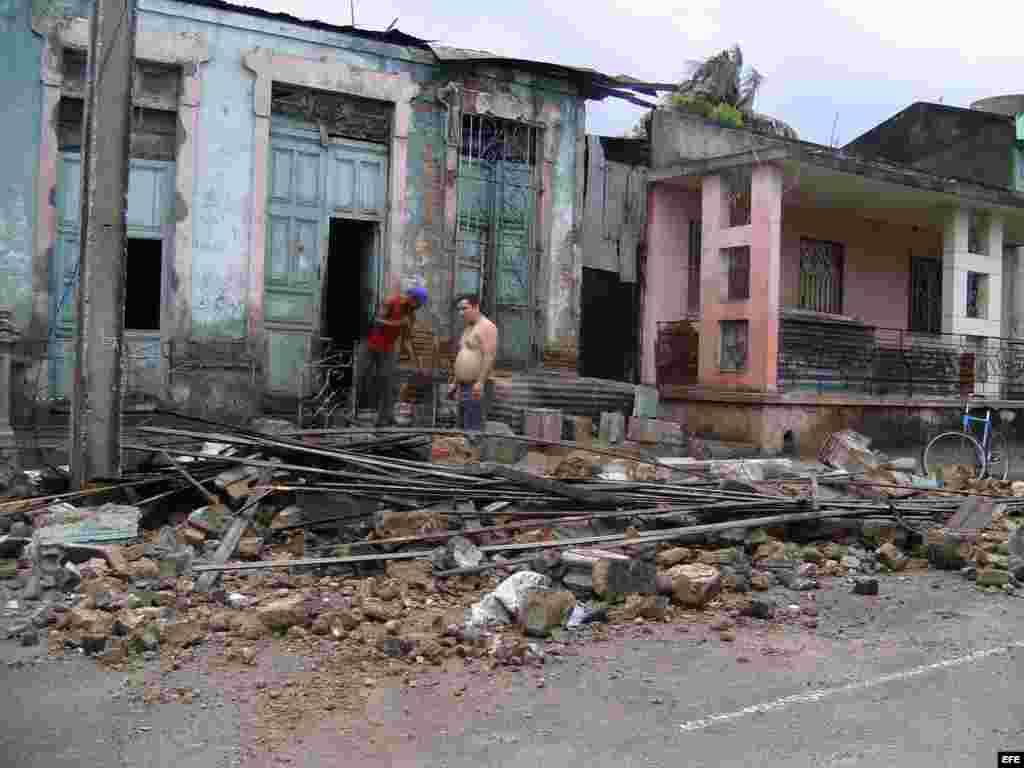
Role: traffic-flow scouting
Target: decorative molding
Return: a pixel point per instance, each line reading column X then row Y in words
column 332, row 76
column 185, row 50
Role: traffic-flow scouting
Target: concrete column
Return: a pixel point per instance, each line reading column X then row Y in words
column 1016, row 294
column 713, row 191
column 8, row 335
column 98, row 388
column 765, row 274
column 973, row 334
column 958, row 261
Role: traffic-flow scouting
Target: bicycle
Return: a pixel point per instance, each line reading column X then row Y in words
column 987, row 457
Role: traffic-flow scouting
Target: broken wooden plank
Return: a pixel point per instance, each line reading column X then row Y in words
column 229, row 543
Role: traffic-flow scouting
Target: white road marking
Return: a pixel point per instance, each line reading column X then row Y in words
column 823, row 693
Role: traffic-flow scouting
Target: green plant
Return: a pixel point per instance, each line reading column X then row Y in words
column 728, row 115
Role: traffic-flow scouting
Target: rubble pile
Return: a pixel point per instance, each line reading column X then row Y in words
column 405, row 550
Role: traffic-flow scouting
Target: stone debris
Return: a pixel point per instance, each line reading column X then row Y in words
column 515, row 608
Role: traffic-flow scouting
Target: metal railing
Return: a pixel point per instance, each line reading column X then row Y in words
column 850, row 358
column 843, row 357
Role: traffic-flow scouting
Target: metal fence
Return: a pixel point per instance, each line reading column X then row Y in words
column 834, row 357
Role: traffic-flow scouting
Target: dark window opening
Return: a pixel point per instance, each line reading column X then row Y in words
column 734, row 341
column 737, row 269
column 693, row 268
column 738, row 183
column 142, row 285
column 977, row 295
column 925, row 294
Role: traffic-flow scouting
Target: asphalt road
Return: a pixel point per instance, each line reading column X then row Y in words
column 924, row 675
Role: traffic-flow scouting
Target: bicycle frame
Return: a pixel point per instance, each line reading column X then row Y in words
column 986, row 439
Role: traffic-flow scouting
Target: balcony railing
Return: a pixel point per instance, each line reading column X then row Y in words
column 847, row 357
column 836, row 355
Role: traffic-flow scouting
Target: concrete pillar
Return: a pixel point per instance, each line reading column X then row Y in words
column 974, row 334
column 98, row 388
column 1015, row 315
column 761, row 310
column 8, row 335
column 765, row 273
column 958, row 262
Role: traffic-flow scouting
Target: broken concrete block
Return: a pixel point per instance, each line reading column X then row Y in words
column 761, row 608
column 176, row 563
column 616, row 578
column 90, row 621
column 947, row 551
column 890, row 555
column 512, row 592
column 865, row 587
column 695, row 584
column 545, row 609
column 773, row 549
column 283, row 613
column 651, row 607
column 463, row 553
column 674, row 556
column 378, row 610
column 490, row 611
column 145, row 569
column 182, row 634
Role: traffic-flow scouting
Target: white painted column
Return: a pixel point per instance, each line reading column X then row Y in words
column 958, row 262
column 1016, row 294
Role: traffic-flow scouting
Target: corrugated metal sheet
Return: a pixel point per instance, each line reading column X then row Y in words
column 573, row 395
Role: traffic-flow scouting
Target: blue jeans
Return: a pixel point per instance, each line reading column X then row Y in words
column 471, row 410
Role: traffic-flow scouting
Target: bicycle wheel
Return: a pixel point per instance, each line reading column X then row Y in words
column 999, row 458
column 951, row 450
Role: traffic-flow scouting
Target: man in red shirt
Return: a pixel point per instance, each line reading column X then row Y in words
column 378, row 352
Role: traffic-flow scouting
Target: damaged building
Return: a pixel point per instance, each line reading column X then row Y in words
column 286, row 176
column 793, row 289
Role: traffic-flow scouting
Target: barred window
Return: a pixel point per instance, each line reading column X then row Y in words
column 736, row 262
column 734, row 336
column 821, row 276
column 693, row 268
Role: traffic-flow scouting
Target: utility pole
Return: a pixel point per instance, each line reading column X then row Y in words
column 96, row 404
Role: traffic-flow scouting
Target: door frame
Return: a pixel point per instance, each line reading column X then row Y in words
column 335, row 76
column 295, row 132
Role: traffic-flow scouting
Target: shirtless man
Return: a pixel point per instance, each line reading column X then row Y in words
column 473, row 363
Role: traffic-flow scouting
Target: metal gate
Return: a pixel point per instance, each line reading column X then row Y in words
column 497, row 246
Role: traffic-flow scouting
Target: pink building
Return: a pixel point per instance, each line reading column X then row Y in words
column 792, row 289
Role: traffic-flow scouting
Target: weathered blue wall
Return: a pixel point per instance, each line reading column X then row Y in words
column 220, row 203
column 20, row 97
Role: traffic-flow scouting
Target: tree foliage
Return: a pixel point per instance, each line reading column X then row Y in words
column 720, row 88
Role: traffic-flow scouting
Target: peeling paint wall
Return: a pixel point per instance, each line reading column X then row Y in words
column 212, row 287
column 20, row 109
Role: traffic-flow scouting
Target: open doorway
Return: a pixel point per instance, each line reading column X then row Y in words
column 608, row 331
column 351, row 288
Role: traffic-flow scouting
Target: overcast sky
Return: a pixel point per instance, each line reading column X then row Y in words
column 864, row 61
